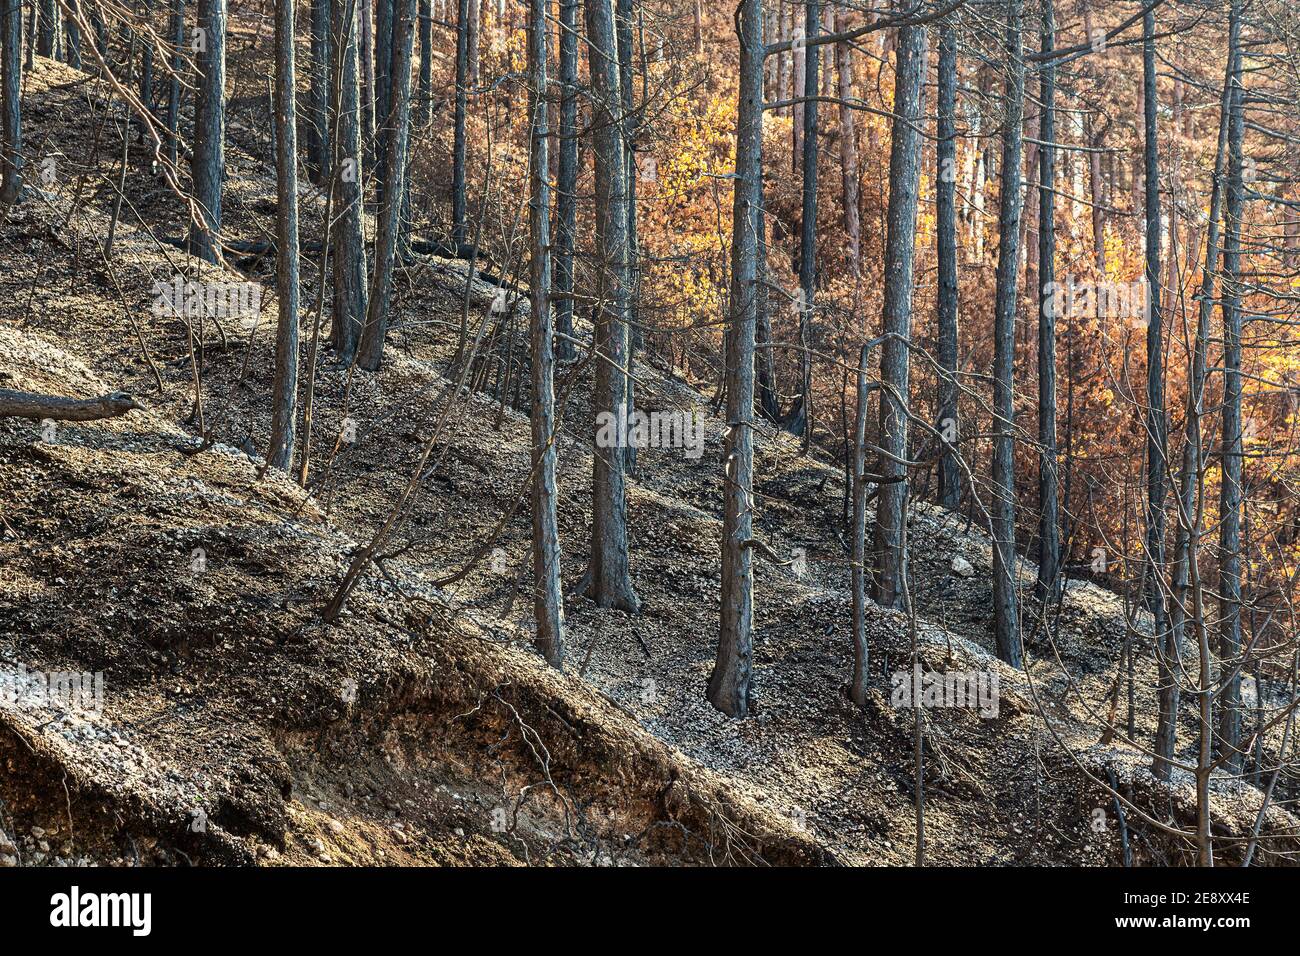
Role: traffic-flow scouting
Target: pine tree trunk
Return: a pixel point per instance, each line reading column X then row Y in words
column 1157, row 425
column 176, row 31
column 548, row 599
column 900, row 255
column 1169, row 654
column 801, row 422
column 209, row 160
column 459, row 230
column 624, row 15
column 425, row 115
column 284, row 391
column 46, row 15
column 861, row 654
column 1230, row 495
column 74, row 36
column 799, row 75
column 374, row 49
column 318, row 94
column 608, row 581
column 566, row 185
column 946, row 248
column 11, row 77
column 769, row 404
column 349, row 250
column 473, row 30
column 1098, row 200
column 397, row 125
column 146, row 61
column 729, row 683
column 849, row 152
column 1049, row 522
column 1005, row 607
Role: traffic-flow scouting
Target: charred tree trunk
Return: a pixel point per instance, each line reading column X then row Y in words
column 900, row 254
column 176, row 32
column 1169, row 653
column 608, row 580
column 1157, row 424
column 548, row 599
column 473, row 38
column 945, row 192
column 425, row 114
column 861, row 653
column 348, row 241
column 769, row 404
column 625, row 12
column 802, row 420
column 849, row 150
column 74, row 36
column 459, row 228
column 318, row 95
column 729, row 683
column 146, row 60
column 1230, row 495
column 285, row 389
column 1049, row 522
column 46, row 18
column 1006, row 625
column 11, row 78
column 397, row 127
column 209, row 160
column 374, row 50
column 566, row 186
column 1097, row 196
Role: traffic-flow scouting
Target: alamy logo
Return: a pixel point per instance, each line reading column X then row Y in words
column 218, row 300
column 1129, row 301
column 974, row 690
column 67, row 690
column 658, row 429
column 74, row 909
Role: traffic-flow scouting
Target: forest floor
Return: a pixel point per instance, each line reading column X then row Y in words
column 237, row 727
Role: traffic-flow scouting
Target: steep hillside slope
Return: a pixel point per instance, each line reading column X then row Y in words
column 238, row 727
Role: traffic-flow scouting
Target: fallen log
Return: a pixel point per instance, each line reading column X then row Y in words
column 251, row 251
column 15, row 404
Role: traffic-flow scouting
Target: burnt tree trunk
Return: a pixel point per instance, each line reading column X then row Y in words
column 801, row 422
column 849, row 149
column 348, row 241
column 1230, row 493
column 566, row 184
column 1005, row 606
column 1157, row 424
column 896, row 320
column 1049, row 522
column 397, row 125
column 284, row 391
column 208, row 162
column 11, row 77
column 318, row 94
column 945, row 194
column 1169, row 653
column 176, row 33
column 729, row 682
column 548, row 599
column 459, row 229
column 608, row 581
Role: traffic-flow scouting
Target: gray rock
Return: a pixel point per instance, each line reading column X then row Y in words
column 962, row 568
